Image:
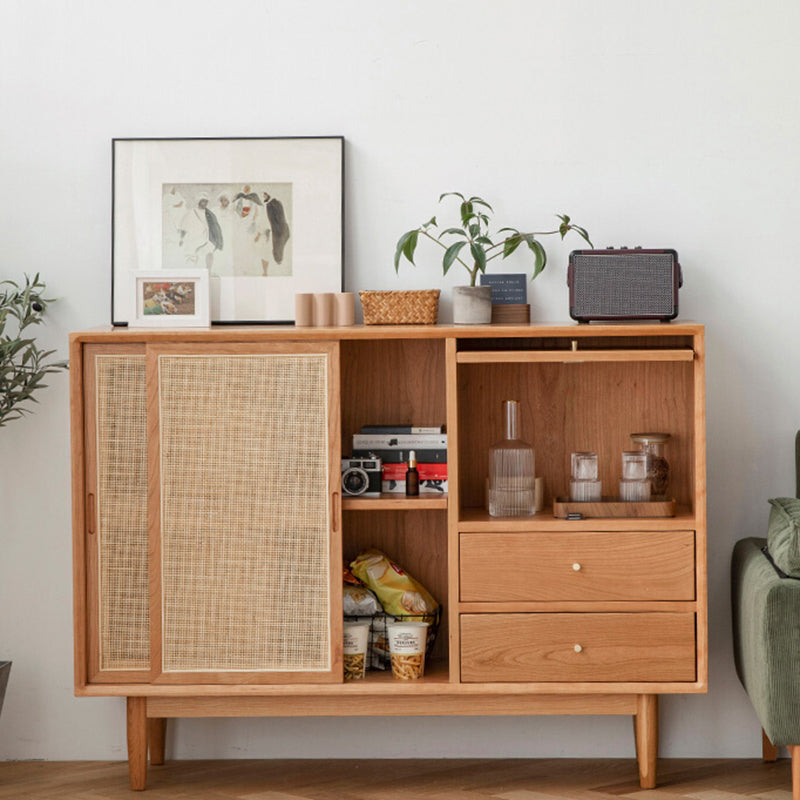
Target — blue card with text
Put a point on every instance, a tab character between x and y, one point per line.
507	289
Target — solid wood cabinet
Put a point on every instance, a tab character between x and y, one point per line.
210	530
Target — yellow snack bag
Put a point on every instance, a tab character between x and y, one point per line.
398	592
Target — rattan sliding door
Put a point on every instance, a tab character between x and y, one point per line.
245	531
117	624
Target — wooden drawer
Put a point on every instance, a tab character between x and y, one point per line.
658	646
621	566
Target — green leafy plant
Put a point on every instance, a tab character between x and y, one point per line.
474	241
23	364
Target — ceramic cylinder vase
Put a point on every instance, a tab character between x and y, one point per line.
344	309
304	310
323	309
472	305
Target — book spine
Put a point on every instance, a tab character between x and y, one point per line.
408	429
400	441
397	472
425	486
391	456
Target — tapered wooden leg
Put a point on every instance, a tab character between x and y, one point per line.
794	752
156	738
768	750
646	727
137	742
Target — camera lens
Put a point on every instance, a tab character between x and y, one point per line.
354	481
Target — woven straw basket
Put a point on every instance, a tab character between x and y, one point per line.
400	308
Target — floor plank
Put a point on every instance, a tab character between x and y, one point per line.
400	779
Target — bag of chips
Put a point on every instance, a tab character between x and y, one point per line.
397	591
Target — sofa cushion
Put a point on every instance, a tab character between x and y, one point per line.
783	534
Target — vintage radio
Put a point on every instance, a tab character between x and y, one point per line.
619	284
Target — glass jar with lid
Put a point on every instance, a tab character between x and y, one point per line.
652	444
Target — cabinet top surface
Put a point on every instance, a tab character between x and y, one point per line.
251	333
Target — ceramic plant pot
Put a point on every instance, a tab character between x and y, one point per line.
472	305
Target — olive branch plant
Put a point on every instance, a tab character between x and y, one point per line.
23	365
474	235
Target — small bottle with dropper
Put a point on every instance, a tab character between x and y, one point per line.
412	476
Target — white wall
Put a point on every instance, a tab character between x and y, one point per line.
650	122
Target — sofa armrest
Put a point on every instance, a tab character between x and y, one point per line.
766	640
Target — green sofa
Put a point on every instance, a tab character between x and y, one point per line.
765	593
766	640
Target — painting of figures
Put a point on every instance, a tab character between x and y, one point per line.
168	297
231	229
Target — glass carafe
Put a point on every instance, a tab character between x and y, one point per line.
511	471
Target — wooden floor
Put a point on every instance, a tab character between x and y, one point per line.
468	779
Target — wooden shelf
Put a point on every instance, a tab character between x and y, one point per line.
570	356
435	672
395	502
478	520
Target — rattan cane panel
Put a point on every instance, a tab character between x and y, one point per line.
245	547
122	513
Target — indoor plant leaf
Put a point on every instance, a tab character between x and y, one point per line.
451	254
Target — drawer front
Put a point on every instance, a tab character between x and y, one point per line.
658	646
621	566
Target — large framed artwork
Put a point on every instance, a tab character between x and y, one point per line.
264	217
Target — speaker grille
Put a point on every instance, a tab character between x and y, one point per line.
245	532
122	544
623	286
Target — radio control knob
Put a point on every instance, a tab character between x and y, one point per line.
576	566
577	648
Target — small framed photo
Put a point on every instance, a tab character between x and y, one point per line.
262	216
170	298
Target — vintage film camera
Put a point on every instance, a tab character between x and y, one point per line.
361	476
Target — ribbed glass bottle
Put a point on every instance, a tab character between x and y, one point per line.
511	471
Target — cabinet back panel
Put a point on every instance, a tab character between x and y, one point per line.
391	381
122	536
577	406
245	558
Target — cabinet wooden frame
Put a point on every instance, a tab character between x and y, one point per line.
88	644
458	375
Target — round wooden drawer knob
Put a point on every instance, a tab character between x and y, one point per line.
577	648
576	566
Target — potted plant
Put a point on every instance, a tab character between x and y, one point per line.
472	240
23	365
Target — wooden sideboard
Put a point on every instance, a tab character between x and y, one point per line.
210	530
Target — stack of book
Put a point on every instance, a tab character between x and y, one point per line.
392	444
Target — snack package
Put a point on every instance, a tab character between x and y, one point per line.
359	604
358	601
397	591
